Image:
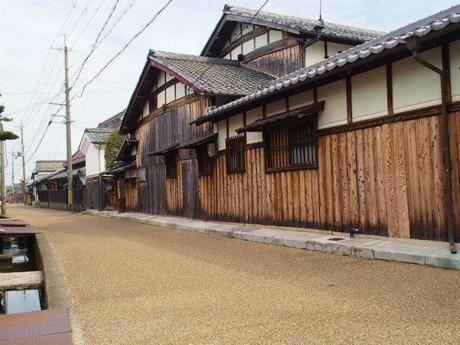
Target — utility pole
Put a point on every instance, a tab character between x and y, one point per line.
23	164
68	127
68	123
12	177
2	185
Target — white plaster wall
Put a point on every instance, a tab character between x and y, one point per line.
455	70
276	107
234	123
169	77
161	99
335	109
248	46
415	86
369	94
221	134
261	41
180	90
236	33
300	100
161	78
334	48
235	52
251	116
84	144
145	110
274	36
95	162
314	53
247	28
170	94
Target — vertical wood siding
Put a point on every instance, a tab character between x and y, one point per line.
161	195
385	180
93	194
279	63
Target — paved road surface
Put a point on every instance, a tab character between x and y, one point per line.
138	284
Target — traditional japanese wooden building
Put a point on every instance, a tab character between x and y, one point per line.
360	130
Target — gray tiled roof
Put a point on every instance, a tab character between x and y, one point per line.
303	25
49	165
113	121
389	41
213	75
98	135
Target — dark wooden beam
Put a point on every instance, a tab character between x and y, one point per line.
349	100
251	35
389	74
164	87
271	48
176	75
446	68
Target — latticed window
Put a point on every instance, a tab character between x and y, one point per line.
171	164
292	147
235	154
204	161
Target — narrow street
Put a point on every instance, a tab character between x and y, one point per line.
139	284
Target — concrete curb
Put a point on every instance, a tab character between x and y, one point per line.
428	253
56	287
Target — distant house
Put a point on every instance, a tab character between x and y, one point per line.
92	146
42	169
88	163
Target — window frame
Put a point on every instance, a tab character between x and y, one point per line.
290	127
241	163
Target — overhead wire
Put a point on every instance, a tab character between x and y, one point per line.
93	47
124	47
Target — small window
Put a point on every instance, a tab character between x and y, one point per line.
204	161
235	154
171	164
291	147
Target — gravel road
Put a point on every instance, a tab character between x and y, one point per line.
139	284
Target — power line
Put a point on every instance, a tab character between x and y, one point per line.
93	47
124	47
126	10
79	18
87	24
236	38
49	53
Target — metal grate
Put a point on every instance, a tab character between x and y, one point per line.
290	148
235	154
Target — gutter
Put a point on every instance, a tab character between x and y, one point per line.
413	44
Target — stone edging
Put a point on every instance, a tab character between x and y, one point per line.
428	253
55	286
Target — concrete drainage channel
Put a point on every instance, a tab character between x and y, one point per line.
34	301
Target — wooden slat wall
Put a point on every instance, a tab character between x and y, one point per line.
281	62
165	195
385	180
93	194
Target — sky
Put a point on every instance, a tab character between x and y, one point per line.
32	73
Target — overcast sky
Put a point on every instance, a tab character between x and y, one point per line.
30	27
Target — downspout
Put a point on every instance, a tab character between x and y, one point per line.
414	46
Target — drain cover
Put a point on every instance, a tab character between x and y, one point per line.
335	239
